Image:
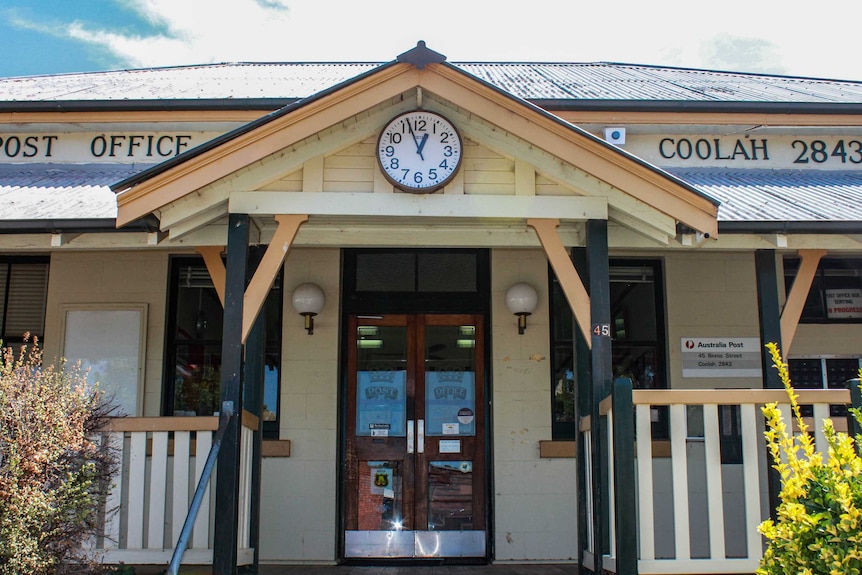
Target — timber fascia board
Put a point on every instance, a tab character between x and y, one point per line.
251	146
588	153
583	150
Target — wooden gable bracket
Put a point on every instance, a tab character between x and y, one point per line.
264	276
797	296
567	275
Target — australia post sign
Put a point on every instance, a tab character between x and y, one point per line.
721	357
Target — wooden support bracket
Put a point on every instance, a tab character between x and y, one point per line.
215	267
567	275
264	276
797	296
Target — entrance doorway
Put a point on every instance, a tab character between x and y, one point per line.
415	479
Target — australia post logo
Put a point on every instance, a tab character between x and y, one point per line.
450	392
381	391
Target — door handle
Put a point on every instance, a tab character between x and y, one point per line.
420	432
410	436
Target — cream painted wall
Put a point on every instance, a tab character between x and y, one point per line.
709	295
534	499
298	514
113	277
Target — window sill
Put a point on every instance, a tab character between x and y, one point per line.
276	448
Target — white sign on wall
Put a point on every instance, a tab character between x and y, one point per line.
721	357
844	303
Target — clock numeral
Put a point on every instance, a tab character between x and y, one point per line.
417	177
395	138
444	138
389	151
406	171
447	151
419	126
432	173
393	164
444	164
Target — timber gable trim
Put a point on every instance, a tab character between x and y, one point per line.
656	188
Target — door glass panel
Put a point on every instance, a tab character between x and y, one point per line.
380	496
450	495
450	380
381	381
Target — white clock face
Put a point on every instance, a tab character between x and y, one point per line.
419	151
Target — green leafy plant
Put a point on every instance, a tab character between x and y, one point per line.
818	525
54	470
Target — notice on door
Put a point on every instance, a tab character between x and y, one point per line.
721	357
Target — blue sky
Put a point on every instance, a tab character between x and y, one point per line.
793	37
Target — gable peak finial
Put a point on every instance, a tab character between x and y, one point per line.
421	55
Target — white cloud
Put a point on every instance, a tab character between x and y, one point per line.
761	36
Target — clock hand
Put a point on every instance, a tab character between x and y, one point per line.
422	145
415	141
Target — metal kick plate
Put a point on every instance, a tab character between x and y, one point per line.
391	544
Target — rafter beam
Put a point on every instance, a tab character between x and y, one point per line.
797	296
567	275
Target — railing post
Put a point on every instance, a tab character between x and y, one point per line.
600	326
624	478
227	482
255	367
582	410
770	332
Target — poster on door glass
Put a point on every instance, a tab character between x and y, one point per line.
450	403
381	403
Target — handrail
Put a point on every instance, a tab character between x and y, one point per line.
736	396
227	411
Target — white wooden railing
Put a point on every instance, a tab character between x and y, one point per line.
161	460
696	514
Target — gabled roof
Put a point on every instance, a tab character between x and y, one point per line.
419	68
563	84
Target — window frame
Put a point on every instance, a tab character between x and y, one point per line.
818	286
175	264
9	261
567	430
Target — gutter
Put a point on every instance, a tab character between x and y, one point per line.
784	227
560	105
209	104
78	226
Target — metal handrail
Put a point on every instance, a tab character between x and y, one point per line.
227	411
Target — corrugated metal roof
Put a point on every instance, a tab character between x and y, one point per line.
54	191
33	192
531	81
780	195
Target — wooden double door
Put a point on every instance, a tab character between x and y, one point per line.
415	475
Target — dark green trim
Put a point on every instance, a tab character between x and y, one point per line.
255	372
770	314
600	316
227	482
582	354
625	485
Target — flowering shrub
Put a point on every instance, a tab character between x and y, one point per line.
818	529
53	469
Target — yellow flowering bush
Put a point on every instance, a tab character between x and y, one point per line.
818	528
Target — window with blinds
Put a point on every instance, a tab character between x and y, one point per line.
25	294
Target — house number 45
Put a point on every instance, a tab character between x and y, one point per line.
602	330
